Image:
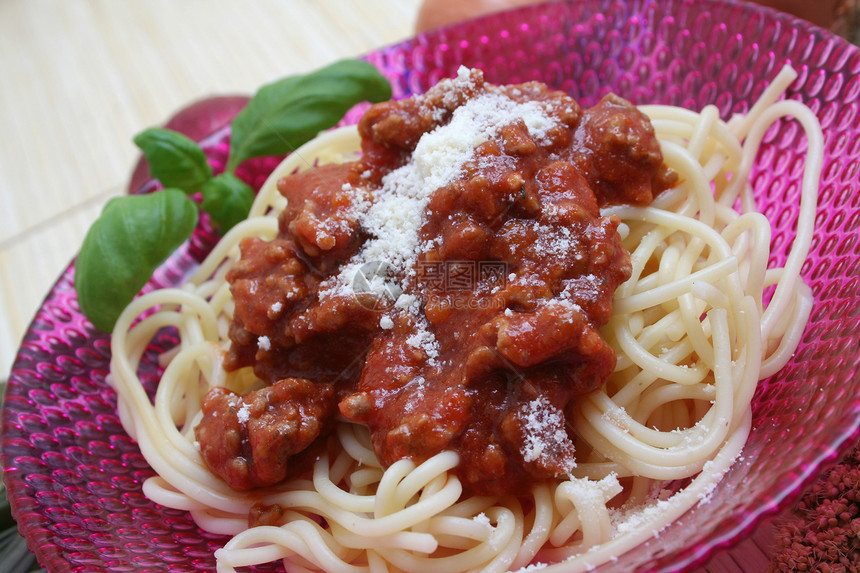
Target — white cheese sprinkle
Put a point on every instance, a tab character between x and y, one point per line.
395	218
543	422
244	414
263	343
424	340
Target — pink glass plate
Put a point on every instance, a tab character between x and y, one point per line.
74	477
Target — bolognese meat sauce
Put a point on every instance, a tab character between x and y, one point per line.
445	289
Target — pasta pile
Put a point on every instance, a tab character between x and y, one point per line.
701	320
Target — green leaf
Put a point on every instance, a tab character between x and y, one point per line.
287	113
174	159
227	199
131	238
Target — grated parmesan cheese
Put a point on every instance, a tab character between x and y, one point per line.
394	219
542	422
424	340
263	343
244	414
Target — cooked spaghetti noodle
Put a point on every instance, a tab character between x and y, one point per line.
699	322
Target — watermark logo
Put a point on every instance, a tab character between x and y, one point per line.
461	276
375	286
452	283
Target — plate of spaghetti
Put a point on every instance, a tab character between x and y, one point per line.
582	296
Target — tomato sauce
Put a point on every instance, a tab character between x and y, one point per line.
479	330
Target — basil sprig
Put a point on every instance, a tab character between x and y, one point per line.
135	234
287	113
227	199
175	160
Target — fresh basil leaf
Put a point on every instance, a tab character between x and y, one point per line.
131	238
227	199
287	113
174	159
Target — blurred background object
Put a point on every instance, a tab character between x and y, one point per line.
837	15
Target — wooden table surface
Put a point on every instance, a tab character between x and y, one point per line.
81	77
